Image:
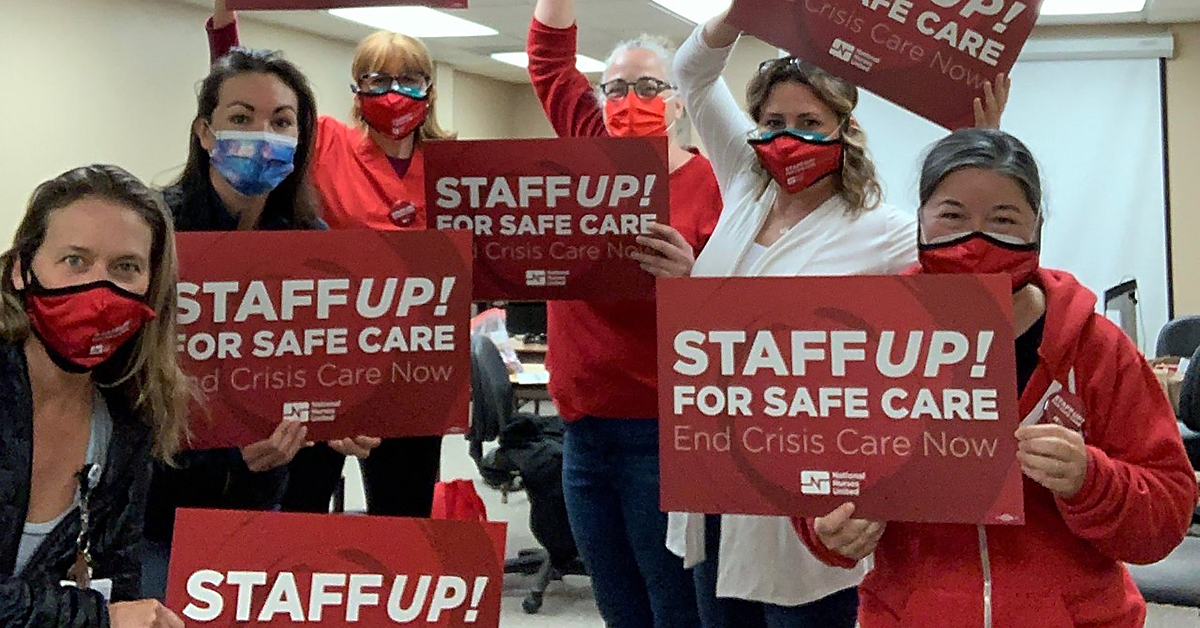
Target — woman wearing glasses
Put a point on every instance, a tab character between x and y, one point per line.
602	355
369	174
801	198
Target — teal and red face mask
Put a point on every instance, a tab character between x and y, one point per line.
797	159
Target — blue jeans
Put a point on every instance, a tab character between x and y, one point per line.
610	479
838	610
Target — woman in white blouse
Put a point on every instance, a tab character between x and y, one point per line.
801	198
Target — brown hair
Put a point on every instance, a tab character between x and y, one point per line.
382	48
145	372
859	182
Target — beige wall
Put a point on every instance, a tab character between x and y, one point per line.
1183	136
88	81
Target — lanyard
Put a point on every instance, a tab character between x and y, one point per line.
81	571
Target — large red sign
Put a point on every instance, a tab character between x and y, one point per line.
352	332
928	56
553	219
275	569
791	396
272	5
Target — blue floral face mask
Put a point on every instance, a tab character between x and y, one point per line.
253	162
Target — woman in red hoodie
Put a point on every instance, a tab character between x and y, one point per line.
1122	491
602	354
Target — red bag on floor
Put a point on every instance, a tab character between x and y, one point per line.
458	500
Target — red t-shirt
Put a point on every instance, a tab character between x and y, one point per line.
603	355
357	183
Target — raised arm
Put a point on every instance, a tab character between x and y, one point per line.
566	94
222	31
720	122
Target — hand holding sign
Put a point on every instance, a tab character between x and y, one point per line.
142	614
990	108
276	5
930	56
669	254
1053	456
277	450
853	538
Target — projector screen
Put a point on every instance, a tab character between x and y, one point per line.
1096	129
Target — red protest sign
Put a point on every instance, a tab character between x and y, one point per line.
928	56
791	396
275	5
553	219
353	332
280	569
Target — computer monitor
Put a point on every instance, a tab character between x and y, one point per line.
1120	306
526	319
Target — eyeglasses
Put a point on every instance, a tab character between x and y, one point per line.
645	87
380	83
771	65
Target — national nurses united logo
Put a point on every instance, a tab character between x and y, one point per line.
855	56
816	483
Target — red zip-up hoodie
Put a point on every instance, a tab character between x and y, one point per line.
1063	568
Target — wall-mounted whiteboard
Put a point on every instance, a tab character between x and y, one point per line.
1096	130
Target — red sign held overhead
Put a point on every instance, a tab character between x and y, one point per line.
299	5
263	569
351	332
928	56
791	396
553	219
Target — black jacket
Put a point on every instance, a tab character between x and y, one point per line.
34	598
216	478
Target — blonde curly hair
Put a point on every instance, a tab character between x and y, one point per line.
859	182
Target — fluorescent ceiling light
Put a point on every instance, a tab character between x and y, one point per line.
583	63
694	11
1091	7
414	21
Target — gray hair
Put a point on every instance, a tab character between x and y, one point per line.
985	149
665	51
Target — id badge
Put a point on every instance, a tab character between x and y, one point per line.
103	586
1065	409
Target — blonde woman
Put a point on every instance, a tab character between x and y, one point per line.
89	389
801	198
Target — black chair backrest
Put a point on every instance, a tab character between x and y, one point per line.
1189	394
1180	337
491	391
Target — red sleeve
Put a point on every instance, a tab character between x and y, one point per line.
221	40
565	93
804	528
1137	499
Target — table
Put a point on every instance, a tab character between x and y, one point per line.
531	384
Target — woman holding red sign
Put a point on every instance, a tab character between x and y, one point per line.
91	389
801	198
1107	481
247	169
369	175
602	354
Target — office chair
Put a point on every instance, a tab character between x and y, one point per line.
529	458
1179	337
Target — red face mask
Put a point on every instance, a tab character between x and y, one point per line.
634	116
796	160
983	254
83	326
394	114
